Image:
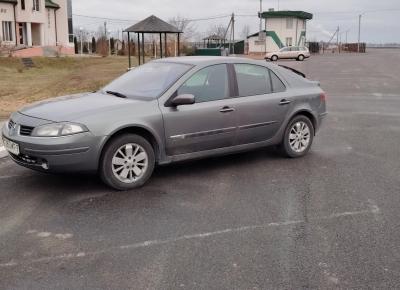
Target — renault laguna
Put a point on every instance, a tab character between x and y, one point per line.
165	111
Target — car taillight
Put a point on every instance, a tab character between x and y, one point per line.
323	97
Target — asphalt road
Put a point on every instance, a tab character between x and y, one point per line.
247	221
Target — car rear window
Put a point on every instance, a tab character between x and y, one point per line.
252	80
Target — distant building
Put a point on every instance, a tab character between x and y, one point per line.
34	27
282	28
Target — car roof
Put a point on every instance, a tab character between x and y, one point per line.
207	60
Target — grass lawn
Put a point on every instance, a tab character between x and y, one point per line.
54	77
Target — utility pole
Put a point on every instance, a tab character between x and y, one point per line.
260	16
337	39
233	31
359	32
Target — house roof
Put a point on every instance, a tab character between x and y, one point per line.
48	3
287	13
15	2
153	24
256	34
51	4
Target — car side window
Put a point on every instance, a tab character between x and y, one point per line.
208	84
285	49
277	84
252	80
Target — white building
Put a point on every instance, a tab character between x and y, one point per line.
35	26
282	28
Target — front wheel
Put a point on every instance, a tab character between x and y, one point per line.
127	162
274	58
299	136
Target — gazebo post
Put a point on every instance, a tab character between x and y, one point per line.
179	49
165	44
138	42
161	54
129	49
143	51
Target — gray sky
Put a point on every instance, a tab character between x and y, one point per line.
380	23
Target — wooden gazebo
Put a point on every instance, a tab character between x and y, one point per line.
151	25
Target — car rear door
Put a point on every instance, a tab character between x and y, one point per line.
209	123
261	103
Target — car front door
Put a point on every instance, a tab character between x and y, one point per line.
207	124
261	103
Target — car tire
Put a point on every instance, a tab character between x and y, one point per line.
274	58
127	162
300	58
298	138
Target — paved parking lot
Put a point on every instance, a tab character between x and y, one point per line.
247	221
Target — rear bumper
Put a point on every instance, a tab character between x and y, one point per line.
73	153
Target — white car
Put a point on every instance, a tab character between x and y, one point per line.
289	52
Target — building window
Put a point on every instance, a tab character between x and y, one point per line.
289	41
23	4
36	6
304	24
289	23
7	31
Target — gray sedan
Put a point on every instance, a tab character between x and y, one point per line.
166	111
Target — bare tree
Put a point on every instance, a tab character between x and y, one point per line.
217	29
185	25
245	31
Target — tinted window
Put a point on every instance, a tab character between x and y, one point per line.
252	80
208	84
294	48
148	81
277	84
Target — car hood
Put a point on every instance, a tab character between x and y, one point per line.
71	107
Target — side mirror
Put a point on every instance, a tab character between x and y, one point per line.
186	99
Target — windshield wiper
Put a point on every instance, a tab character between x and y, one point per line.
119	95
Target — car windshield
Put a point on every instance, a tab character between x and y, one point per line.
148	81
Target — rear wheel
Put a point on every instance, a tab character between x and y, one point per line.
299	136
301	57
127	162
274	58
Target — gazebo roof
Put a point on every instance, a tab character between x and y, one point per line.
214	37
153	24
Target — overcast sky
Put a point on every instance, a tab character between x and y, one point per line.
380	23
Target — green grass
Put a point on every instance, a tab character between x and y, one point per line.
53	77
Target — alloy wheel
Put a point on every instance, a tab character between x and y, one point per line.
299	137
129	163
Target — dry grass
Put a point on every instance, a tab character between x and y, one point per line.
53	77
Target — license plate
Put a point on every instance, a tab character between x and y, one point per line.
11	146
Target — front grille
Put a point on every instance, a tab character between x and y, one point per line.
11	124
25	130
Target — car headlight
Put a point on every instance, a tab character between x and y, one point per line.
58	129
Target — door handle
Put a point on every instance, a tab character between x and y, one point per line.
227	110
285	102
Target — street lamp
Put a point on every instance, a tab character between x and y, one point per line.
359	31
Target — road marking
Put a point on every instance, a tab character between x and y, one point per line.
372	210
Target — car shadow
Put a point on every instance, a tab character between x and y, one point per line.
59	185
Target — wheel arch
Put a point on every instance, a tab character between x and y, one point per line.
144	132
307	114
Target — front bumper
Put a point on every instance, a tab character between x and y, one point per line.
79	152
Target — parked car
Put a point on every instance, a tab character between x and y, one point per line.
289	52
166	111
